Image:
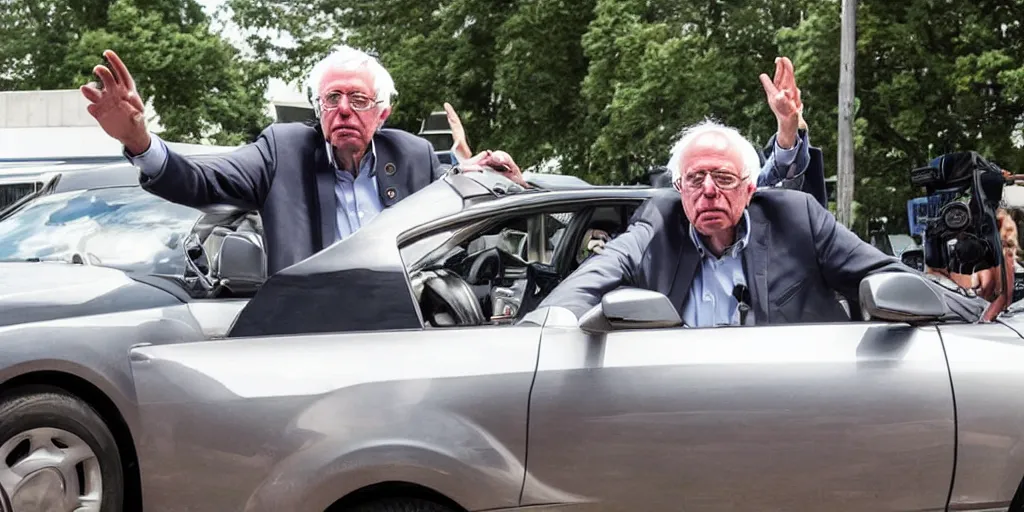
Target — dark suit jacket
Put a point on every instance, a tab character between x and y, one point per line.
286	175
812	180
797	259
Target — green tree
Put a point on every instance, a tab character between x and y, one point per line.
198	82
606	85
931	78
512	68
656	67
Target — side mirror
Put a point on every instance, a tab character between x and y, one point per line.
630	308
900	297
913	258
241	262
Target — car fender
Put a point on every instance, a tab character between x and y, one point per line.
93	348
317	476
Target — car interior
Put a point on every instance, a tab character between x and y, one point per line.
495	271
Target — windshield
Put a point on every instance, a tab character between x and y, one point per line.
121	227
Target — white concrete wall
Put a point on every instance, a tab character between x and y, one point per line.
53	124
37	109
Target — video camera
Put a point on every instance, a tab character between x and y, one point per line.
961	232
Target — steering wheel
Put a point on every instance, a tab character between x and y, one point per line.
486	268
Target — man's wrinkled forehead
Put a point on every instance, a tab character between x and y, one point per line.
711	150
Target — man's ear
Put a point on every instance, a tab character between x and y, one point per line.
383	117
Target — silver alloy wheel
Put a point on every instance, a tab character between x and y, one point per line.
50	470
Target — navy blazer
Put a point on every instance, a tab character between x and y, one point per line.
797	259
286	175
812	179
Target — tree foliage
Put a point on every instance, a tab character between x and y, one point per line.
931	78
197	81
604	86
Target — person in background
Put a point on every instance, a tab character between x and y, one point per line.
313	185
987	283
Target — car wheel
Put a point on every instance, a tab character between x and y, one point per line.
57	454
401	505
5	502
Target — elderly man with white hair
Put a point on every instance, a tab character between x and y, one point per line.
313	184
717	239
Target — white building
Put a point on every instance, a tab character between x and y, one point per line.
55	125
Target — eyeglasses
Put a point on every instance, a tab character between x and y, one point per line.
724	180
357	101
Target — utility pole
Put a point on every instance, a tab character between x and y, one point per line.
847	55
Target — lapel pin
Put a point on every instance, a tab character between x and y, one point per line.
389	169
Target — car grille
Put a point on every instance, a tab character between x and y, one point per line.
10	193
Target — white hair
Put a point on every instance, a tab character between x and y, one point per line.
751	162
346	57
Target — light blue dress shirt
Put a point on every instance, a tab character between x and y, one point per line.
711	302
357	197
789	163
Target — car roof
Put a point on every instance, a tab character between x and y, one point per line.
554	181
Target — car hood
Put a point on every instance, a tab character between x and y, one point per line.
35	292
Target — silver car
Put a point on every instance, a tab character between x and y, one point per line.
407	368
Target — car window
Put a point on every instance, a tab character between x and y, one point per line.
121	227
606	223
544	232
484	267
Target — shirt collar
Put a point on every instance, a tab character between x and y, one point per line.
742	234
368	158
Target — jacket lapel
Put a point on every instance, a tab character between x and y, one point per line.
684	267
325	197
389	180
755	263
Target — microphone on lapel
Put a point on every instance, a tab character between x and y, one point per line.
742	295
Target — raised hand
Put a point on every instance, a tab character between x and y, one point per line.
458	133
784	100
116	105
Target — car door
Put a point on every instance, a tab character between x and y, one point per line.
297	423
840	417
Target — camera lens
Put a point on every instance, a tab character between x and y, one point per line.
956	216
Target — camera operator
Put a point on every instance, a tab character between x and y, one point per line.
986	283
960	235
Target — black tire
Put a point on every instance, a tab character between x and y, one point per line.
1017	505
400	505
50	407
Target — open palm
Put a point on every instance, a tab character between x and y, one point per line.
783	94
116	105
